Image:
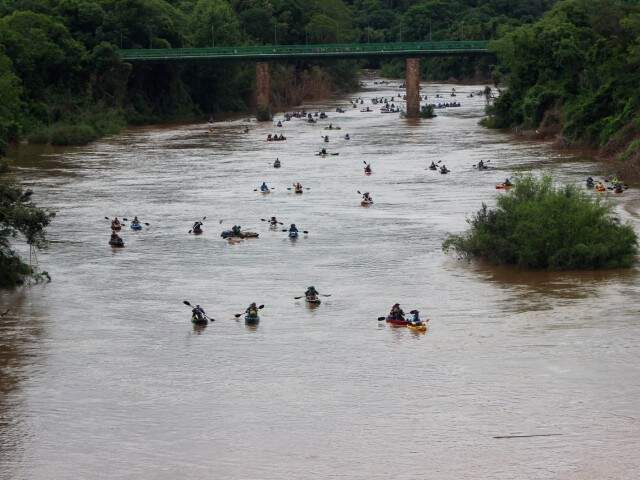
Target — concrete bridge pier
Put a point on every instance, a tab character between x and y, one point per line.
263	91
412	82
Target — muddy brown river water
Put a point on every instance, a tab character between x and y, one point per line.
103	375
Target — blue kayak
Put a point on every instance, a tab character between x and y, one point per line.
248	319
136	226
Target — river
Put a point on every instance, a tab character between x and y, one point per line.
103	375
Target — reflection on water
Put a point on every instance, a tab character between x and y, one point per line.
103	372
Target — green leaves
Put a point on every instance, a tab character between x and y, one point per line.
541	226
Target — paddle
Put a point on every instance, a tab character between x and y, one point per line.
267	190
304	188
203	219
380	319
319	294
203	314
265	220
303	231
145	223
237	315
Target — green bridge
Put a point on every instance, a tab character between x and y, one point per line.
292	52
411	52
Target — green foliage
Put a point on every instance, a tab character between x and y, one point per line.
18	215
539	226
581	59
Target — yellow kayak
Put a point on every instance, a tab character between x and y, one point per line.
417	328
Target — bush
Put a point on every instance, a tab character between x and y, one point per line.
539	226
72	134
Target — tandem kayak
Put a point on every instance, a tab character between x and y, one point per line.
230	234
136	226
249	320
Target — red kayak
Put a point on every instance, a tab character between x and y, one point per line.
397	323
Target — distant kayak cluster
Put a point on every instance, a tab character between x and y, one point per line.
116	240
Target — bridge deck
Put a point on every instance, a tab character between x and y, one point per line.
335	50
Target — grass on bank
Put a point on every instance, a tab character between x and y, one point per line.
538	225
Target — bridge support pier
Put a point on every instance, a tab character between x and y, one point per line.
263	91
412	82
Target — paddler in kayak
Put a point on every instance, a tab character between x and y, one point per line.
367	169
197	228
415	319
273	222
433	166
311	294
507	183
269	139
293	229
115	224
297	187
396	312
366	197
198	315
444	169
264	188
276	164
326	138
481	165
347	137
115	240
323	152
252	311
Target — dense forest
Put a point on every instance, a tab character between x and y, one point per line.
62	80
575	74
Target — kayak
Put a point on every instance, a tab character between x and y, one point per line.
230	234
198	321
433	168
297	191
197	232
117	244
276	165
397	323
332	128
293	234
116	228
249	320
313	300
422	327
265	191
136	226
366	203
367	172
502	186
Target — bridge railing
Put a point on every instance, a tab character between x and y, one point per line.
318	50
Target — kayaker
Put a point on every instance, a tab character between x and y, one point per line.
135	221
282	137
326	138
311	293
293	228
236	230
396	312
444	169
197	227
269	139
347	137
115	224
367	168
367	197
273	221
276	164
115	240
433	166
297	186
590	182
252	311
507	183
481	165
323	151
198	313
264	187
279	124
415	319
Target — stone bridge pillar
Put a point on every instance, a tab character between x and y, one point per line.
263	90
412	81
